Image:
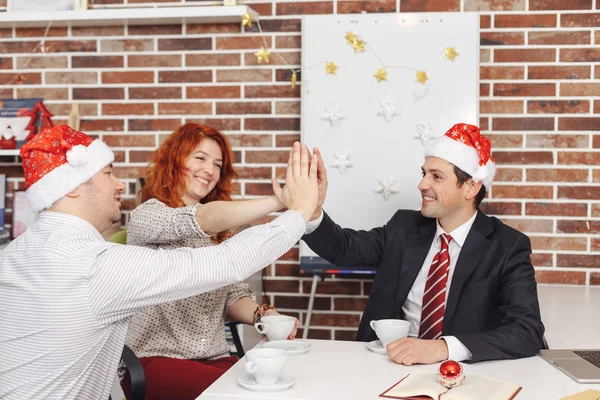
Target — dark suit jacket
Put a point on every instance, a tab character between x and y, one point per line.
492	305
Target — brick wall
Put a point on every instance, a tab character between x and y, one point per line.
540	105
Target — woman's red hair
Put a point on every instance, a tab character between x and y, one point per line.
165	178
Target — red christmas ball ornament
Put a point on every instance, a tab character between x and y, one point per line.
451	374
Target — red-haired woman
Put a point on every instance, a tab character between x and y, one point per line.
187	203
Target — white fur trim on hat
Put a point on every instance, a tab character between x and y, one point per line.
66	178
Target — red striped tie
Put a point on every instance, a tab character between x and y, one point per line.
434	297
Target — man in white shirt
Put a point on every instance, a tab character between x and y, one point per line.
66	295
463	280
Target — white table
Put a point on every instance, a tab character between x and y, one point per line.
348	370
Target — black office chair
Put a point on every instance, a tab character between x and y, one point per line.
136	373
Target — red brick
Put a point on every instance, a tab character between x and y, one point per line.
173	92
281	286
288	42
494	5
597	37
524	55
579	192
333	286
185	44
329	319
212	60
71	77
484	89
577	260
276	58
192	29
303	8
578	124
210	92
41	32
501	107
372	6
46	94
525	21
127	109
292	254
559	37
129	172
300	302
19	47
129	140
320	334
484	123
556	175
580	55
530	225
68	46
505	141
256	173
222	124
501	38
139	156
154	124
524	89
485	21
558	72
523	124
243	42
6	32
596	106
293	107
558	106
247	140
245	75
186	76
595	245
345	335
267	157
128	77
31	78
560	277
41	62
171	60
90	125
274	124
286	140
98	93
184	108
574	20
153	30
541	260
65	109
258	189
349	304
255	107
429	5
557	141
577	226
97	62
556	209
279	91
97	31
558	243
560	5
262	8
485	55
501	72
127	45
501	208
508	175
278	25
591	89
522	192
578	158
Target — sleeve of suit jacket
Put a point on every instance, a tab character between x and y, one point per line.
347	247
520	332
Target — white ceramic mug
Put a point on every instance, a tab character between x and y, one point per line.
276	327
265	364
388	330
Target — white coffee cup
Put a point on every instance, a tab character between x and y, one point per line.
276	327
265	364
388	330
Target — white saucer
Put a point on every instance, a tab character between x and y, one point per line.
248	382
293	347
376	347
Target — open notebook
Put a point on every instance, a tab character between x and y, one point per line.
474	387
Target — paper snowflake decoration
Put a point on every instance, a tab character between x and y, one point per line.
387	109
386	188
425	133
342	161
333	114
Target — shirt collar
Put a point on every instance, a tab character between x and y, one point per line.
459	234
62	219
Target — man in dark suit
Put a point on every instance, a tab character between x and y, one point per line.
462	279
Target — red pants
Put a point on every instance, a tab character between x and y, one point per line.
172	378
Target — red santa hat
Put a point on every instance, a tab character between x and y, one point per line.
465	147
58	160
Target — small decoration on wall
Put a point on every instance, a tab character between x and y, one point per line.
386	188
263	56
247	19
451	53
342	161
331	68
387	109
333	113
294	79
425	133
422	77
381	75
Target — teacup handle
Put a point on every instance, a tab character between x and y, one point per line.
261	328
372	323
250	367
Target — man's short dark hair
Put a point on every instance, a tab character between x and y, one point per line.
463	177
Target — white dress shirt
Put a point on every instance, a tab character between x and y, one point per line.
412	305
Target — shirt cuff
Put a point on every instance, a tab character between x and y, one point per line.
312	226
456	350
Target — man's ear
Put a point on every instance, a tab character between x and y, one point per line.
74	193
472	189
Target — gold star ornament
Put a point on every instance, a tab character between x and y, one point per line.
351	38
331	68
247	19
422	77
294	79
451	53
381	75
263	55
358	45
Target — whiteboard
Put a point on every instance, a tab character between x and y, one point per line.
383	149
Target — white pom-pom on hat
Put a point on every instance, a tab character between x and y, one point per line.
481	173
78	155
